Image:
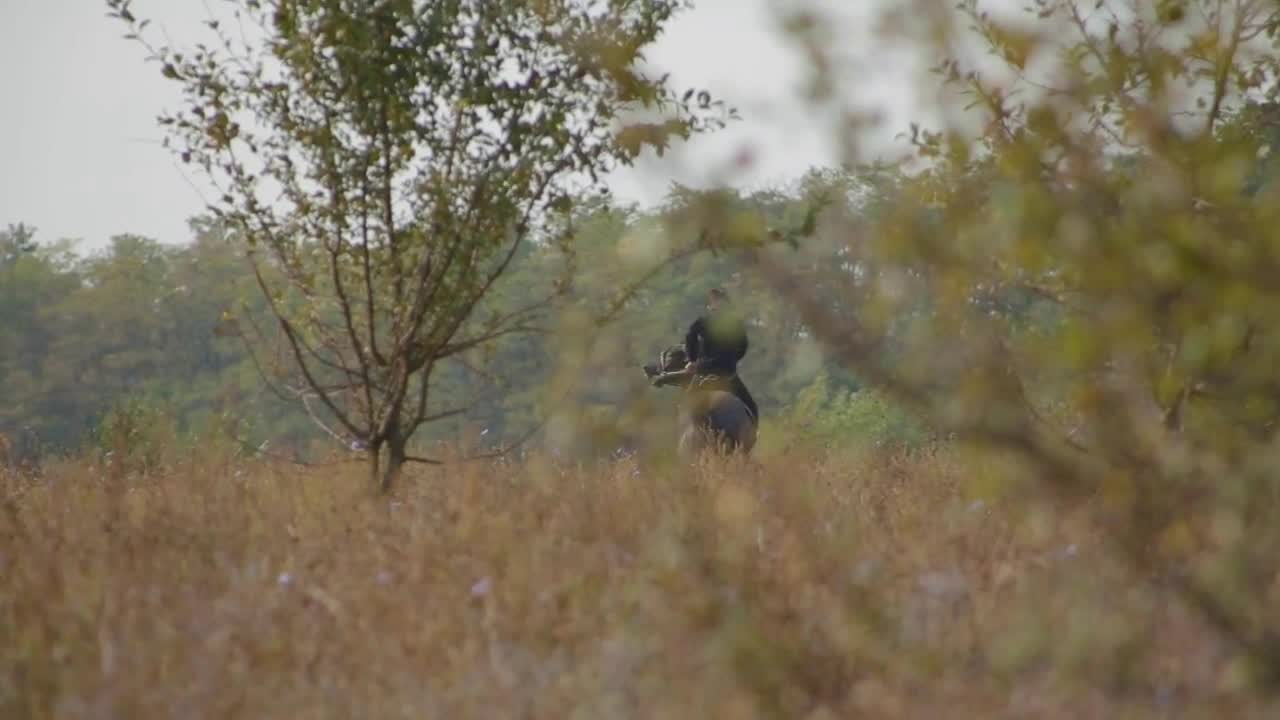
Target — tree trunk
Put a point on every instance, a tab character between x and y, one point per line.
396	446
375	456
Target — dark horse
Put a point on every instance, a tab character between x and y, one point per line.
711	417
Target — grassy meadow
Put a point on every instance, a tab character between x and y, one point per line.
801	584
1072	253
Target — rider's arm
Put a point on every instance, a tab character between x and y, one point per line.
693	341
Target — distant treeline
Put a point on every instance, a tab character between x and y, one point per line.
145	324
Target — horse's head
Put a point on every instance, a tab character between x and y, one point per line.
672	360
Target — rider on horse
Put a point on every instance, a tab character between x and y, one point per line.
715	343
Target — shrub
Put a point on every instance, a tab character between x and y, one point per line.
841	417
134	435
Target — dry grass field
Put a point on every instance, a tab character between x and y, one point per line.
804	584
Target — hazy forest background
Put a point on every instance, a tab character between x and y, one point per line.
1019	452
138	338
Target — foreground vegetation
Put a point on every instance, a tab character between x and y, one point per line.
803	584
1079	285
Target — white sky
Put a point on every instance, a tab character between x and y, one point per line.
79	147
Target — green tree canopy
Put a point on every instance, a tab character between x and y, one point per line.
384	165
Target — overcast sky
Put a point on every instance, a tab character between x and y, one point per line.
80	154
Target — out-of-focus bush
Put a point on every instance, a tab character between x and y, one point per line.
1078	272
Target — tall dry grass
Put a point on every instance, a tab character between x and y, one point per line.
803	585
